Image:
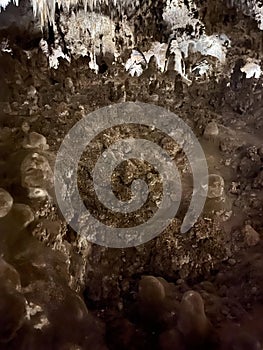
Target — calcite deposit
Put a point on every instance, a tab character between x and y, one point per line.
60	61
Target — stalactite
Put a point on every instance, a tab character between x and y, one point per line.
4	3
45	9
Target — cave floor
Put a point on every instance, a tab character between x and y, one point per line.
221	257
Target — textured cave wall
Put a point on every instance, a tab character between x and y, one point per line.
196	41
20	25
92	29
191	59
108	31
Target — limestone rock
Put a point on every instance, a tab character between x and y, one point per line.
122	334
36	192
69	85
36	171
23	214
8	275
6	202
25	127
216	186
171	340
251	236
250	167
242	341
32	94
192	320
157	301
5	135
258	182
12	312
211	130
151	291
35	140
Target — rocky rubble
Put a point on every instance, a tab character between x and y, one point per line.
69	265
37	304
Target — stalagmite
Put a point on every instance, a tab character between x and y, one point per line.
192	320
6	202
